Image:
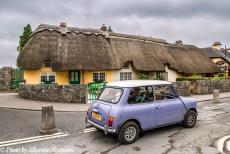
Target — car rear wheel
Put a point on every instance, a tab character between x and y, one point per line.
190	119
128	133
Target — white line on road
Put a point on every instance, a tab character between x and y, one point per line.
88	130
32	139
221	141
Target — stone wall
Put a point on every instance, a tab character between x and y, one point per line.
200	87
183	87
78	93
5	78
54	93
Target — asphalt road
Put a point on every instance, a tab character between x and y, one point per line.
213	124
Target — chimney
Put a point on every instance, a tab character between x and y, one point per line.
63	28
179	42
63	25
216	45
103	28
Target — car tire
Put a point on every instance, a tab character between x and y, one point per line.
190	119
128	132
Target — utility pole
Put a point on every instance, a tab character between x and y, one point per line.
225	63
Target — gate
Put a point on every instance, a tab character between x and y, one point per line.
94	90
16	77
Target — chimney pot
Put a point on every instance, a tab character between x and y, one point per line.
63	25
104	28
179	42
217	45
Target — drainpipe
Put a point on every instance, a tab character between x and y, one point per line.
83	76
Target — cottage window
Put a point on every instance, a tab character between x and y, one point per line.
47	63
126	76
43	77
99	76
126	66
48	77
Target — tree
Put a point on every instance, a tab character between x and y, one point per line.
24	37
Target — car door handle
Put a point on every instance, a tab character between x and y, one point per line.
158	107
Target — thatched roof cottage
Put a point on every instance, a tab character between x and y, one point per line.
73	55
220	56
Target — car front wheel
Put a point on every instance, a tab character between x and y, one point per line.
190	119
128	133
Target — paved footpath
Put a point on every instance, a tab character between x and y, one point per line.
13	101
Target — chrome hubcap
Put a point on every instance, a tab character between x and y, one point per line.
130	133
191	119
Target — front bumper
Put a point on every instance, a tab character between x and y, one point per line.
106	129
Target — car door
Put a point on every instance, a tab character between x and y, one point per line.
141	106
169	108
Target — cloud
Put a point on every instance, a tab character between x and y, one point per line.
193	21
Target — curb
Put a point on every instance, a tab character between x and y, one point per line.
23	109
212	99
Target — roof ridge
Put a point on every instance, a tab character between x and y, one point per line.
42	27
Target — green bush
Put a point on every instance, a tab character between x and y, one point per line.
216	78
143	76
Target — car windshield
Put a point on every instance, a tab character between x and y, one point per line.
111	95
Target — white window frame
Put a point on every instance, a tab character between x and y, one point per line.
47	75
99	77
47	62
126	76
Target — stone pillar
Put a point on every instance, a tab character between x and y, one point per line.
48	121
216	98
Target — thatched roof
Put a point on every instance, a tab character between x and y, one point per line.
214	53
92	49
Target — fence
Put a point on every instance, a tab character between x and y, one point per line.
94	90
16	77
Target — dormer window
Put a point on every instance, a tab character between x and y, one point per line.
47	63
126	66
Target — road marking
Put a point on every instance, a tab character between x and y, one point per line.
32	139
29	138
87	130
220	144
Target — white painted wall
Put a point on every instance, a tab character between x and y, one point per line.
172	74
116	73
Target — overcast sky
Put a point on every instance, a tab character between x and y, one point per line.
198	22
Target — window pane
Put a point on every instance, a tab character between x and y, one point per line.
126	76
95	76
102	77
47	63
72	76
121	76
164	92
51	78
76	76
111	95
141	95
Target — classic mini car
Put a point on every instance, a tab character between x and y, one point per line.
127	108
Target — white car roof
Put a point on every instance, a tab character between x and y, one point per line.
137	83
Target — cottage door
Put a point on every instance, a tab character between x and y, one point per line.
74	77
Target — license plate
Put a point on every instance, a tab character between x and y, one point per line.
96	116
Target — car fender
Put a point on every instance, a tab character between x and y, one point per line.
129	119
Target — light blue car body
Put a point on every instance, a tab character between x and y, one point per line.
147	115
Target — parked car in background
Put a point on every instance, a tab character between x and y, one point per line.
127	108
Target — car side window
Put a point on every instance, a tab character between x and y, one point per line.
141	95
164	92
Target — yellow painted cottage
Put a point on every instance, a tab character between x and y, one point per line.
70	55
